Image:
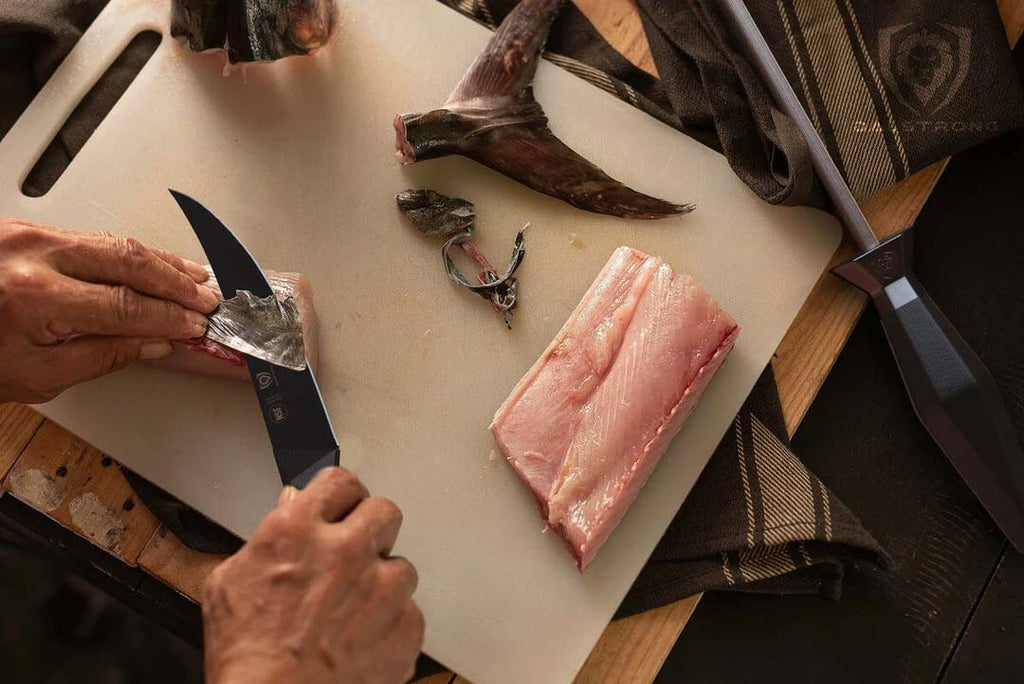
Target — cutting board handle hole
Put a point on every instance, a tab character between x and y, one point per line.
89	114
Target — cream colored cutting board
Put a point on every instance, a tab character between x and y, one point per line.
297	157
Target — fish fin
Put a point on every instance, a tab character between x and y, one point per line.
507	65
493	118
535	157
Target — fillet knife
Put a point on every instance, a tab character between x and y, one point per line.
951	391
300	430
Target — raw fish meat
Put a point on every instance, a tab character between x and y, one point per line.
588	423
207	357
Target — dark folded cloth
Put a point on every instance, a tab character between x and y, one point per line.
757	520
891	86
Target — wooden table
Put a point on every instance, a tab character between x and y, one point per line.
51	472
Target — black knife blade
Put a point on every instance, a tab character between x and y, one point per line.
300	430
952	392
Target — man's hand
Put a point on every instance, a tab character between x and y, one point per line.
74	306
313	597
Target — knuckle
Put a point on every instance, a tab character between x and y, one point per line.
55	331
23	279
22	234
353	543
397	577
389	510
418	624
215	582
125	306
283	522
130	250
339	478
343	552
214	579
186	287
408	572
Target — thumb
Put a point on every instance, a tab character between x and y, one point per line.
88	357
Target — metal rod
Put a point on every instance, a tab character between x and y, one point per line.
786	98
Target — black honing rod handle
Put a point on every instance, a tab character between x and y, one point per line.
949	387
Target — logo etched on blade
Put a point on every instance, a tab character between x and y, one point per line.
278	413
264	380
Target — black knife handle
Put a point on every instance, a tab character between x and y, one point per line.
951	390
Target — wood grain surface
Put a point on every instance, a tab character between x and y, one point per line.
166	558
618	22
47	467
18	425
62	476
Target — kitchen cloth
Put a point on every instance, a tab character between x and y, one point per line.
757	520
891	86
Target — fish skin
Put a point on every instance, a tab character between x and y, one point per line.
434	214
587	425
202	24
204	356
437	215
493	118
253	30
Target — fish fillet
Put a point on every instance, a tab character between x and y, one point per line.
206	357
588	423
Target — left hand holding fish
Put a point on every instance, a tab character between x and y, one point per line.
74	306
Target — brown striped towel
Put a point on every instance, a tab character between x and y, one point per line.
891	86
757	520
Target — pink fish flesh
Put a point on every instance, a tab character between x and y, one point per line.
206	357
587	424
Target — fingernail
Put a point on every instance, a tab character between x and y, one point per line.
209	298
287	494
198	273
197	323
154	349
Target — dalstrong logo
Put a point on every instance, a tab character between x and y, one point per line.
924	65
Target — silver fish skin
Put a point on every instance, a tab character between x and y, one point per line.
434	214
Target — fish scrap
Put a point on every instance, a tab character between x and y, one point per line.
253	30
493	118
437	215
283	330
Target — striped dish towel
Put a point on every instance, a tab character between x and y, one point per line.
757	520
